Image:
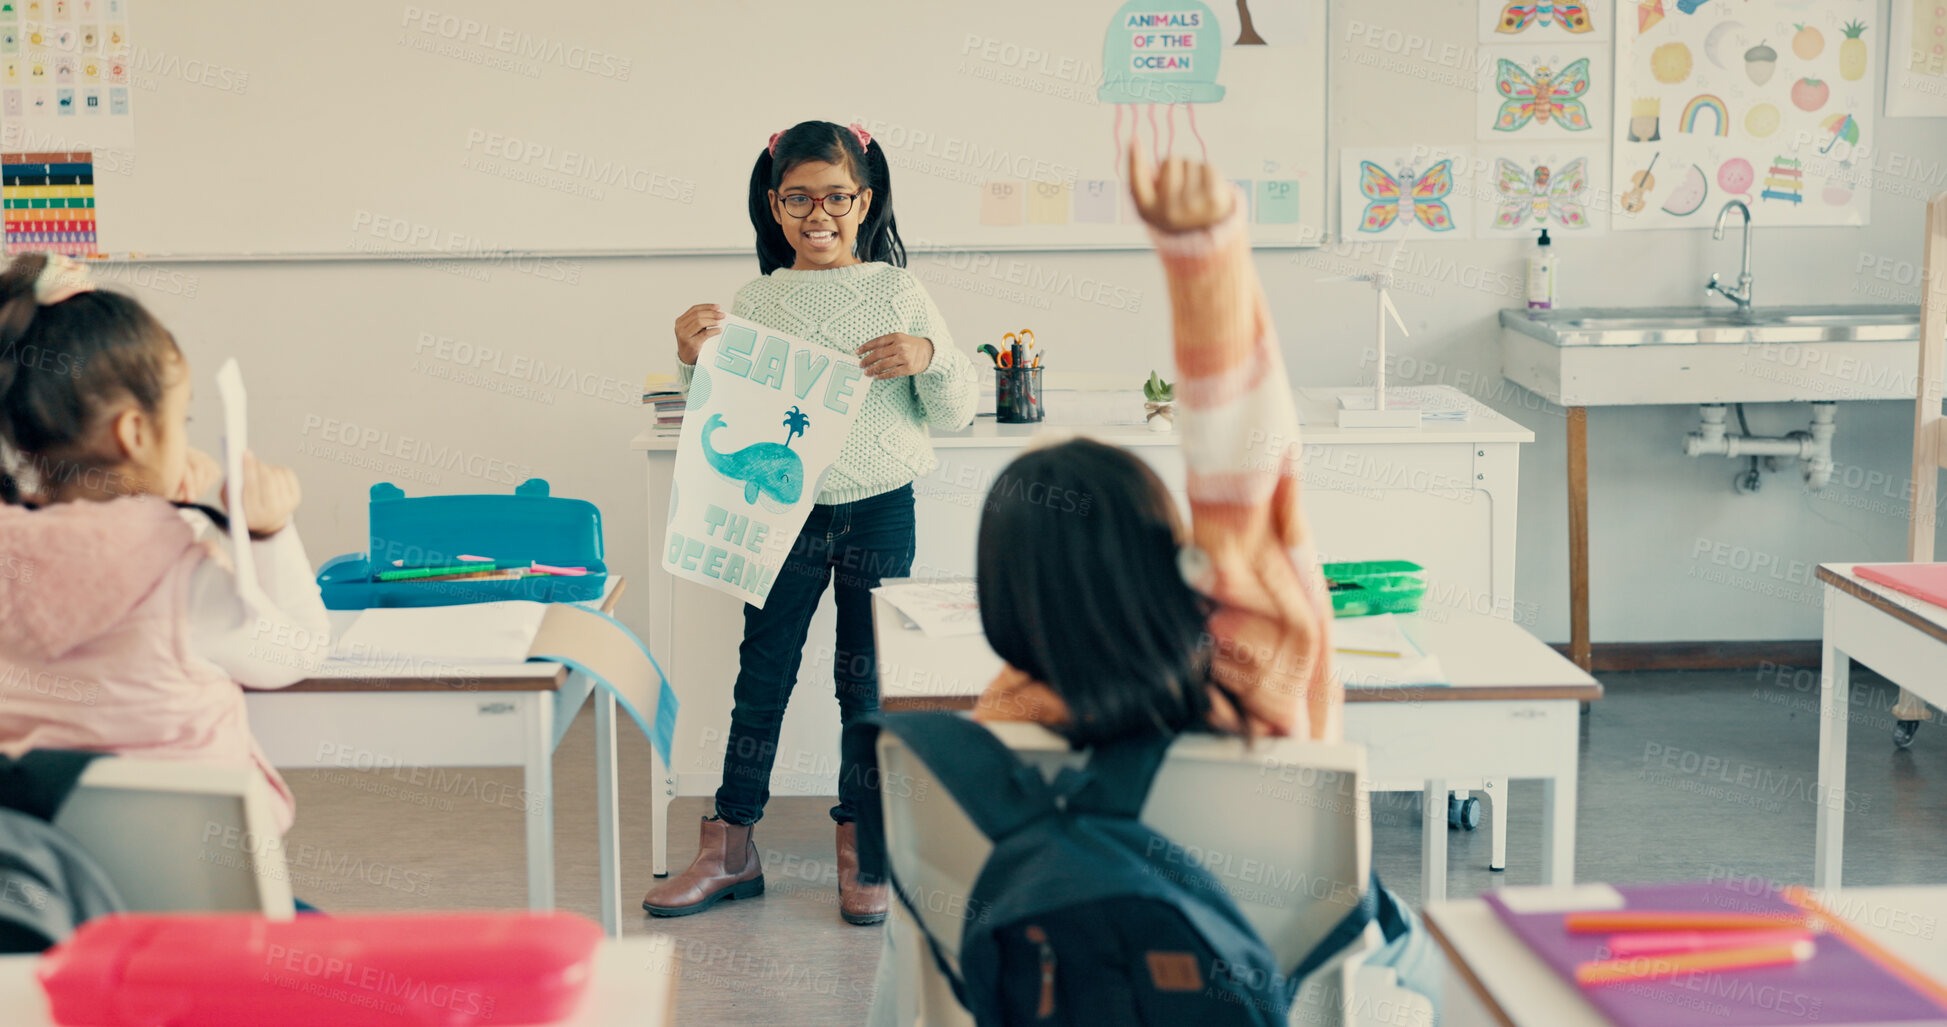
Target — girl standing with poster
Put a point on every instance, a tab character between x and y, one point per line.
834	274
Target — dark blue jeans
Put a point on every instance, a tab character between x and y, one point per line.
855	544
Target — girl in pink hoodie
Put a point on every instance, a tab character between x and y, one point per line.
120	630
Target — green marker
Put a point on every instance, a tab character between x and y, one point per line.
428	572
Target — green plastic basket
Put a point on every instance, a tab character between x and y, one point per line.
1375	586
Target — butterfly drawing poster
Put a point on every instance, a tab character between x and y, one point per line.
1543	92
1520	190
1547	22
1405	191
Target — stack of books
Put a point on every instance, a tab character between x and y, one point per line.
661	391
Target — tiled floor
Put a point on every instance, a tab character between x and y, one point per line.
1684	775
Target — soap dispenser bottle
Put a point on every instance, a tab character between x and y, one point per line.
1541	275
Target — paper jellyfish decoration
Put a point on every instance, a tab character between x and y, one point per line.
1736	176
1161	53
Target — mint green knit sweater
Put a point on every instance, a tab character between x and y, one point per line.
844	308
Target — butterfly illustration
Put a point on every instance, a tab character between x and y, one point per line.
1422	197
1517	16
1542	97
1542	195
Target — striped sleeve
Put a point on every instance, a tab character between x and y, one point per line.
1241	446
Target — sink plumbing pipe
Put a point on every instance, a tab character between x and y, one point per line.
1814	447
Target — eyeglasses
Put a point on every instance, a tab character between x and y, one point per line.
798	205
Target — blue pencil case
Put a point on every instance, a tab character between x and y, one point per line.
514	531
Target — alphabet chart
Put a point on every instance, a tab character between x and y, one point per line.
65	75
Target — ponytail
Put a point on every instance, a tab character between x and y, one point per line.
17	306
773	249
61	365
809	141
879	235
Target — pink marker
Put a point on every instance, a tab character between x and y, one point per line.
1629	946
572	572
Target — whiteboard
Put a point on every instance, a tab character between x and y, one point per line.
485	128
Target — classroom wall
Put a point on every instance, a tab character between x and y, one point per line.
425	374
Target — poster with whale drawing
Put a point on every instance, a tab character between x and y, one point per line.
767	415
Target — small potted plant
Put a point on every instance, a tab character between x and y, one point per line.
1159	397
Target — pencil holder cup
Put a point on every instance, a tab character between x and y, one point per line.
1017	395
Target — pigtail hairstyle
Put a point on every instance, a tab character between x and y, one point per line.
61	364
822	141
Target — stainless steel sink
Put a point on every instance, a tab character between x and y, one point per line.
1659	326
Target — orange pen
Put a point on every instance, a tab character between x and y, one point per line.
1645	968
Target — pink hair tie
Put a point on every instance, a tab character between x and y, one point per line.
865	138
61	279
775	136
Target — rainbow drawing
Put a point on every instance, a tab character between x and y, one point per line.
1697	105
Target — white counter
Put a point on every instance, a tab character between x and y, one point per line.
1315	406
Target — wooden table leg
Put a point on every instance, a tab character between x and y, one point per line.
1578	538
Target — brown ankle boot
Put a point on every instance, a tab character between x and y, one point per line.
726	867
857	903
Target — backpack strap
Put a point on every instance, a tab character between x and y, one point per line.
1118	776
996	791
1376	904
39	782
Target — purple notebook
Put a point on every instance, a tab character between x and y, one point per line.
1838	987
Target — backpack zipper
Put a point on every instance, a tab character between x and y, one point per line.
1046	1008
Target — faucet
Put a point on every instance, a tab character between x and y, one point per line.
1742	294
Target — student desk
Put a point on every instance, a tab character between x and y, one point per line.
1901	637
406	713
1442	496
1513	710
1497	980
633	985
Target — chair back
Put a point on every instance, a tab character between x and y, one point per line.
1283	825
182	837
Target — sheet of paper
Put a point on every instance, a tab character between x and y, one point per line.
766	416
471	634
1368	635
1580	898
1381	634
942	609
1381	672
591	642
1432	405
229	385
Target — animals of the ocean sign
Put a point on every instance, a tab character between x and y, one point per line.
766	417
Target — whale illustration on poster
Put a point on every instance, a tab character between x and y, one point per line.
763	467
766	416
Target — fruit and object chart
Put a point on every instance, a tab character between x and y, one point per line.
1765	101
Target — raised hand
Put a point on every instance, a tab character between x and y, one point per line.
270	496
1181	196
